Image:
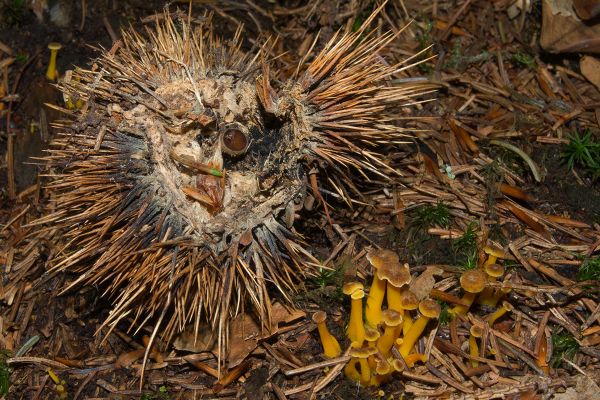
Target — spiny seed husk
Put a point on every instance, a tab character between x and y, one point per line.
177	230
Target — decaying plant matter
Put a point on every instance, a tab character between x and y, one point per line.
175	185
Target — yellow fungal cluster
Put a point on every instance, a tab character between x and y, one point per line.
475	284
59	385
397	311
52	74
384	341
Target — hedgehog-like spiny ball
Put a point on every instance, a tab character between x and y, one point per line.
171	185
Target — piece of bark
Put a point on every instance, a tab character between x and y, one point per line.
564	32
587	9
590	68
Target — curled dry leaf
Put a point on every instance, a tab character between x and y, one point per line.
126	359
188	341
590	68
245	332
564	32
422	284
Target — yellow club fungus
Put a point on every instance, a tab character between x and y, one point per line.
493	254
472	282
360	356
379	260
398	365
395	275
413	358
493	272
51	72
475	333
356	326
392	321
382	370
428	309
408	303
331	347
506	306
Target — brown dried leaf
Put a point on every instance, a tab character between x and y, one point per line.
564	32
590	68
281	314
126	359
245	333
188	341
422	284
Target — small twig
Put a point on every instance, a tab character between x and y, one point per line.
84	384
111	32
454	18
233	375
83	15
279	393
447	379
100	138
36	360
330	376
322	364
16	218
532	165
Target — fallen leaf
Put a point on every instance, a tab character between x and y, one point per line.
422	284
245	332
126	359
590	68
203	342
281	314
585	388
564	32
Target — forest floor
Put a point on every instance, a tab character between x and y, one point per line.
506	157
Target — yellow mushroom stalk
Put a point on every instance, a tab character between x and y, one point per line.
375	301
472	282
506	306
356	326
475	333
393	321
51	73
362	354
396	276
331	347
413	358
393	297
493	272
389	275
350	370
408	303
428	309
